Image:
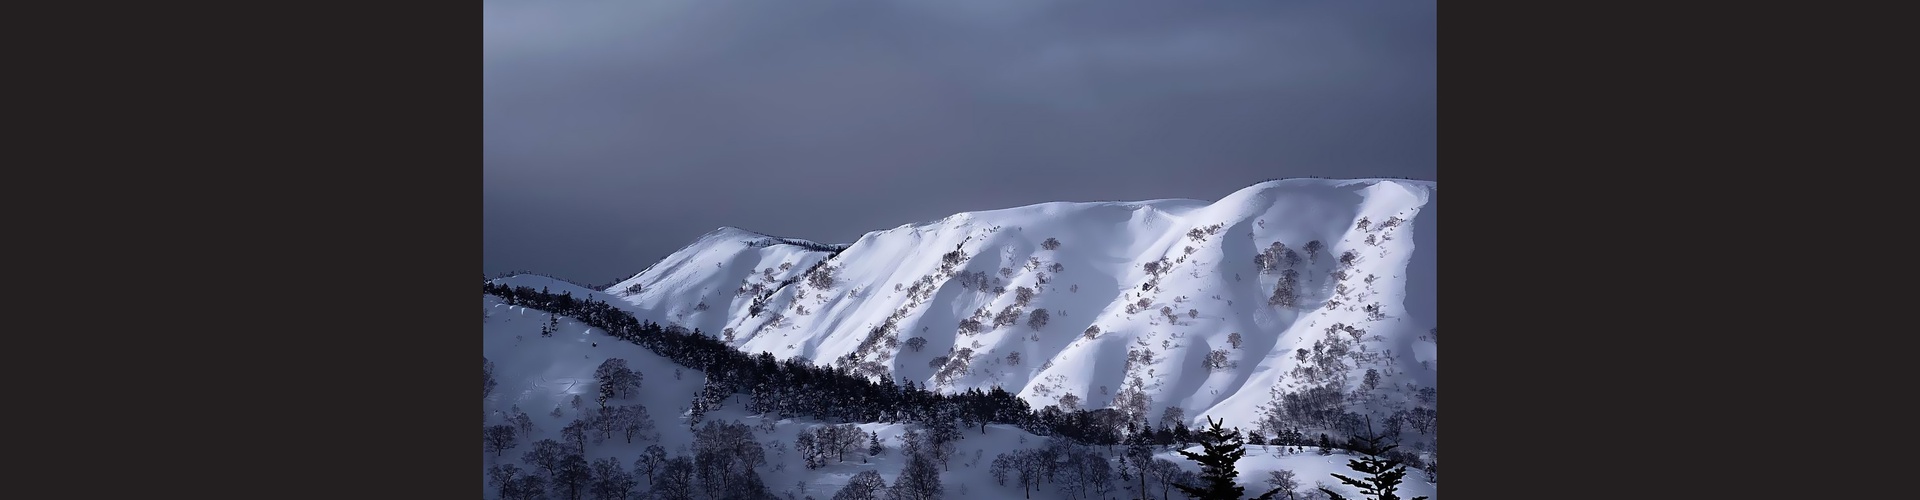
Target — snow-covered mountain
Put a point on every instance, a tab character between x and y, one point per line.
1140	305
549	383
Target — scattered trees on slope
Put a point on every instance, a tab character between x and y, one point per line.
793	387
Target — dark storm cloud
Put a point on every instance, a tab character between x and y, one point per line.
618	130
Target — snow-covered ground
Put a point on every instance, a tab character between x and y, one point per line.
912	274
538	374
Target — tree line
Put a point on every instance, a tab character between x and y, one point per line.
794	388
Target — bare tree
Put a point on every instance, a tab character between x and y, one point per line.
1284	479
1050	244
650	461
575	435
522	422
634	421
918	481
573	475
1234	339
498	438
867	485
489	383
609	481
545	456
1173	415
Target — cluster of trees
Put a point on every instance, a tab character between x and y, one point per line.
1072	467
1199	234
1275	257
1286	292
979	281
722	465
831	442
817	247
823	278
555	467
509	274
616	380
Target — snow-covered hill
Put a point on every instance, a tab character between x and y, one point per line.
1116	303
540	376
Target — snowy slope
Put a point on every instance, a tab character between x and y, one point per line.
540	374
914	281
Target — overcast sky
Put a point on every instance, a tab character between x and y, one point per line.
619	130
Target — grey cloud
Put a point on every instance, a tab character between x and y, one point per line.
631	127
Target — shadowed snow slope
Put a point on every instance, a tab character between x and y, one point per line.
1358	253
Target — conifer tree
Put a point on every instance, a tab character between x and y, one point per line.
1220	449
1383	474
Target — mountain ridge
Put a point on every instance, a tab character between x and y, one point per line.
957	283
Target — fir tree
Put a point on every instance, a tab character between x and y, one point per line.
1383	474
873	446
1220	449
